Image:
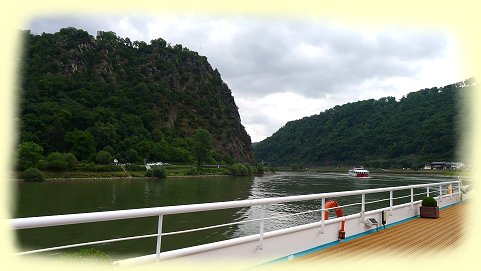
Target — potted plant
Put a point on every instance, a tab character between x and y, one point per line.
429	208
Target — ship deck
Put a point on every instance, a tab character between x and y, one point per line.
416	237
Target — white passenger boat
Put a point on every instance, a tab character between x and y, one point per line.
359	172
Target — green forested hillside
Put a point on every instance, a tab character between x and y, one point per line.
81	94
421	127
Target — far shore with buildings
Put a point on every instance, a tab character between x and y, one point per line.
445	166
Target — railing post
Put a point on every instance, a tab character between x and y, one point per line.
412	198
159	237
323	203
427	193
261	234
390	201
459	189
440	192
363	207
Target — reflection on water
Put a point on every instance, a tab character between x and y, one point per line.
64	197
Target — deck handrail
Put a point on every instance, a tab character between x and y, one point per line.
59	220
68	219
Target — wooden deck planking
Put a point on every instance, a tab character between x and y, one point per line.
419	236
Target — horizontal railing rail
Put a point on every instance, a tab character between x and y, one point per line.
68	219
58	220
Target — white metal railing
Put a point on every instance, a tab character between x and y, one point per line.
68	219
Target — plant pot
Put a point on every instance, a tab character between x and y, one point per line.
429	212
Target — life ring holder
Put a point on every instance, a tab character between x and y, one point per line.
332	204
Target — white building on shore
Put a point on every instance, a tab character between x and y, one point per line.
444	165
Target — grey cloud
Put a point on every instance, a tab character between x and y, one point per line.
264	61
261	56
52	24
92	24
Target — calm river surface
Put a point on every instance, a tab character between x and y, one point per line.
66	197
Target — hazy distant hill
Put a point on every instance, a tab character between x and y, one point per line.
421	127
125	96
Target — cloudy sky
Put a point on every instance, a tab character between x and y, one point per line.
284	69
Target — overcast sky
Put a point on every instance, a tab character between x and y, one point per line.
285	69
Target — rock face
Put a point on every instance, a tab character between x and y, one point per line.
136	87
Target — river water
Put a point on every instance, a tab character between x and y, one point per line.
65	197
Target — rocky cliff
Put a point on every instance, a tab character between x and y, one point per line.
127	95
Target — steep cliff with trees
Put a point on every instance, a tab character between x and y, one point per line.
107	97
423	126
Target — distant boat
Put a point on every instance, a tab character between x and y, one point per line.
359	172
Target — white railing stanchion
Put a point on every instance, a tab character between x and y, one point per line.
159	237
459	189
363	208
440	192
390	201
323	220
427	193
412	198
261	230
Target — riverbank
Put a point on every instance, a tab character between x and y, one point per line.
410	172
189	171
136	172
97	176
129	178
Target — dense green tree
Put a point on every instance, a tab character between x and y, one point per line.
103	158
179	154
239	169
32	175
160	151
56	161
28	154
131	156
82	144
260	169
159	172
157	135
144	149
71	160
110	150
104	133
201	145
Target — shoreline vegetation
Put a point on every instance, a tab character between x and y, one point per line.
185	171
132	171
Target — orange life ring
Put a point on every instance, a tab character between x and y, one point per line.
332	204
450	189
